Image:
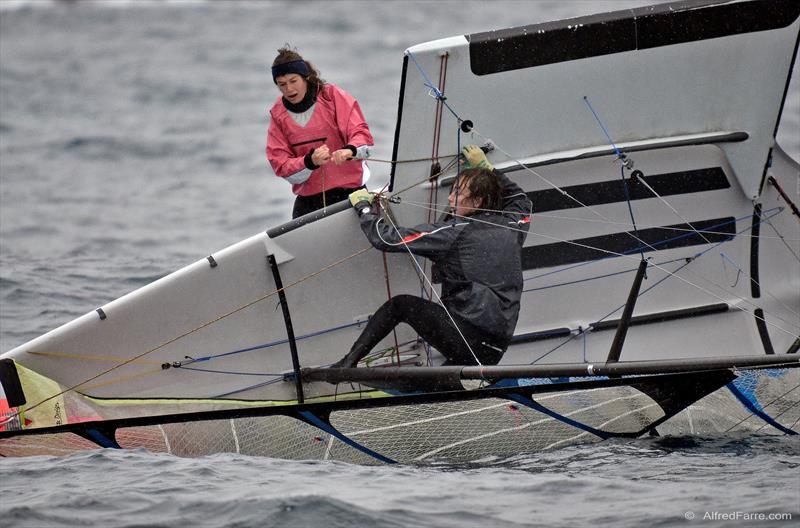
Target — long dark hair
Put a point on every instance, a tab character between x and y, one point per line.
287	54
483	184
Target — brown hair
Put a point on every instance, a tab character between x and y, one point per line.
287	54
483	184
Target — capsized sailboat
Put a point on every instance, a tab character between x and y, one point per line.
661	272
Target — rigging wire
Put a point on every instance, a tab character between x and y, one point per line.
781	237
556	187
620	155
764	406
565	193
628	224
723	289
430	285
627	163
456	160
598	277
642	181
587	246
196	329
613	253
191	360
784	411
434	91
650	226
411	160
433	195
585	331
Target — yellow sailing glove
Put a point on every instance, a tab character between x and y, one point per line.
361	200
475	158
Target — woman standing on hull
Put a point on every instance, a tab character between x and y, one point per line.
318	138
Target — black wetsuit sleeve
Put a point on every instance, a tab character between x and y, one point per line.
427	240
517	207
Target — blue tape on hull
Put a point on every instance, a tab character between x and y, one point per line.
561	418
754	407
328	428
102	439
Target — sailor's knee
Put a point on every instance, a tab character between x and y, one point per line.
404	301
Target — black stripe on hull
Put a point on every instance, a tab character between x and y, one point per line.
400	102
662	238
620	31
763	332
612	191
755	230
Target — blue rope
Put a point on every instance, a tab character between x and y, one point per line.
428	82
231	372
277	377
608	136
735	265
276	343
439	95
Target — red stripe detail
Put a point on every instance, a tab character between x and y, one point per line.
411	238
525	220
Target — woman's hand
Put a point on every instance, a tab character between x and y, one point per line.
342	155
322	155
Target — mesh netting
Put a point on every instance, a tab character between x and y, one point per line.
462	430
51	444
458	430
775	392
475	429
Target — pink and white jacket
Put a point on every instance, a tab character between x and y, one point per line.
336	121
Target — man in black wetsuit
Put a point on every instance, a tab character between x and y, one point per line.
476	254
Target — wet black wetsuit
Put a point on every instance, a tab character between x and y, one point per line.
477	259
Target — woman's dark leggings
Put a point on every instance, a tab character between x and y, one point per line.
433	324
308	204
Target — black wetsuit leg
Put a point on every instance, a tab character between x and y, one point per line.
434	325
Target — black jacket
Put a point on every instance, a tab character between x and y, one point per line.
477	259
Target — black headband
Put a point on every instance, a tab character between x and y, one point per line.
297	66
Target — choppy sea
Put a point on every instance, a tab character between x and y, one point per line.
132	143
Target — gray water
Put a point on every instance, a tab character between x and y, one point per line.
132	144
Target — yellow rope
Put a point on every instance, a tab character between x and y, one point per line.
89	357
123	378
